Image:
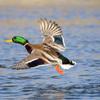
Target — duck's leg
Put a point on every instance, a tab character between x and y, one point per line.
59	70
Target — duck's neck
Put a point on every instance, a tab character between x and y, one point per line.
28	47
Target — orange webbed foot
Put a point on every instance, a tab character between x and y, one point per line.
59	70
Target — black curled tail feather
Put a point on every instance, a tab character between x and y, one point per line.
65	60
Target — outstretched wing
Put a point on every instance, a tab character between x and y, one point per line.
29	61
52	33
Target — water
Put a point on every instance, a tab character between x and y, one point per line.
81	28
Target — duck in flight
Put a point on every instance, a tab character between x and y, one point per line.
47	52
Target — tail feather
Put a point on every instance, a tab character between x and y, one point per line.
68	66
66	63
64	59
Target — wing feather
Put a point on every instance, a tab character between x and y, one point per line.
49	27
29	61
52	34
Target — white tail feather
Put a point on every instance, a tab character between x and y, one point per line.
68	66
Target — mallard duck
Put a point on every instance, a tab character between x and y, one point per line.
47	52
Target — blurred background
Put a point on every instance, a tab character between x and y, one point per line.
20	15
80	23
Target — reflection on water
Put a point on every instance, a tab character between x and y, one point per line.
81	29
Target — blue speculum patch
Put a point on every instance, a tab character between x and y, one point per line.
58	39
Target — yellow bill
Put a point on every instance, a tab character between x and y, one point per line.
8	41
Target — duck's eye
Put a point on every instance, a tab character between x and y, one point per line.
14	37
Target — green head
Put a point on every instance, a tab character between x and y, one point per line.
19	40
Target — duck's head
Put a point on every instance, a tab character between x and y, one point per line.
18	39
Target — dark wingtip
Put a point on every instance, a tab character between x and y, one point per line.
3	66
